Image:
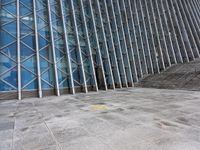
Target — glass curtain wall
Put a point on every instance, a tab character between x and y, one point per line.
55	47
8	46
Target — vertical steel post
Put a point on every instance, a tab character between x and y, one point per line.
18	53
120	56
191	25
171	26
188	29
151	39
98	47
183	31
78	45
66	47
157	38
104	40
167	33
162	35
144	64
192	12
145	39
130	47
112	43
140	74
196	11
37	50
88	43
179	31
53	49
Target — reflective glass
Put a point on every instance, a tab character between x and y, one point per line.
8	51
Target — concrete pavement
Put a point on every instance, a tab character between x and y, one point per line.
127	119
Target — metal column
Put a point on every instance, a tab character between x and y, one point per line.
121	6
139	37
18	54
188	29
145	37
37	50
179	31
98	47
134	39
110	41
167	33
88	43
78	46
172	31
106	57
183	31
117	43
67	48
150	37
156	36
53	49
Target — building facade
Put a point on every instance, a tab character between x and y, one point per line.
56	47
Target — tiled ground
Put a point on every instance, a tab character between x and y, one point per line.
128	119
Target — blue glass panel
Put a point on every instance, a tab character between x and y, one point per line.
30	64
11	77
32	85
44	64
11	7
25	51
11	28
11	51
45	85
27	76
42	42
30	41
5	87
47	76
5	38
5	63
46	53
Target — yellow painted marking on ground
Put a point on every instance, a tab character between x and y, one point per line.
99	107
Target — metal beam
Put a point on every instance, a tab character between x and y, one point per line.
195	10
172	31
98	47
78	46
117	62
37	50
123	42
167	33
128	39
139	37
145	38
67	47
156	36
183	31
150	37
117	42
195	20
188	29
53	49
134	40
179	31
191	23
110	73
88	43
18	53
161	34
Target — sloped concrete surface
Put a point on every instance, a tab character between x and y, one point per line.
128	119
182	76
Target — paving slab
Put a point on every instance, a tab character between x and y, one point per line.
123	119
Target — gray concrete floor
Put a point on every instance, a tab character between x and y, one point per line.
128	119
